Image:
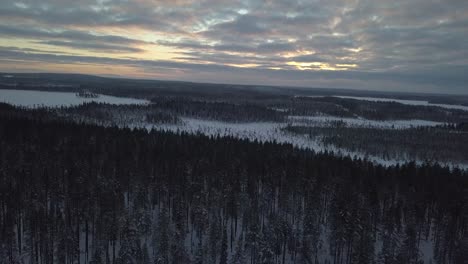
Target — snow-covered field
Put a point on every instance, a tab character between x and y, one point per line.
262	132
407	102
268	131
325	121
27	98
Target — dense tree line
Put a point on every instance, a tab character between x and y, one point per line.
121	115
168	111
81	193
138	88
215	101
165	109
312	106
222	111
213	92
444	143
344	107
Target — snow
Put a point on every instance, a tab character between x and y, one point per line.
262	132
326	121
28	98
406	102
281	110
426	248
269	131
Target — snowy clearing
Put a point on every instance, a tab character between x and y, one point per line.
33	99
264	132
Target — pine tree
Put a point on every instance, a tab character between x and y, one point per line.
224	248
145	259
409	251
199	256
130	251
97	257
239	256
162	237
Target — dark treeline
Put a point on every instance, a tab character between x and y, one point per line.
121	115
345	107
151	88
80	193
312	106
460	127
138	88
446	143
168	111
223	111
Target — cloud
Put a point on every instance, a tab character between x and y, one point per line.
397	43
74	39
308	58
451	76
91	46
241	25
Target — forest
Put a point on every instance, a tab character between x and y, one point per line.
74	192
345	107
243	103
431	144
168	111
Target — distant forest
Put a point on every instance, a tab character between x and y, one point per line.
82	193
262	99
447	143
344	107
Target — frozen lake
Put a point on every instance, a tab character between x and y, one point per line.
28	98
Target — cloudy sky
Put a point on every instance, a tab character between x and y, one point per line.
404	45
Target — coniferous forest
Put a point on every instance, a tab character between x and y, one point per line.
82	193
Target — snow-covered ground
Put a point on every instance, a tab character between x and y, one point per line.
262	132
28	98
407	102
325	121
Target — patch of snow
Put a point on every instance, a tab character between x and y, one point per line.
269	131
33	99
262	132
426	248
281	110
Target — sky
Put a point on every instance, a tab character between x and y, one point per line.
396	45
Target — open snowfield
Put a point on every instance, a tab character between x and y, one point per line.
264	132
28	98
